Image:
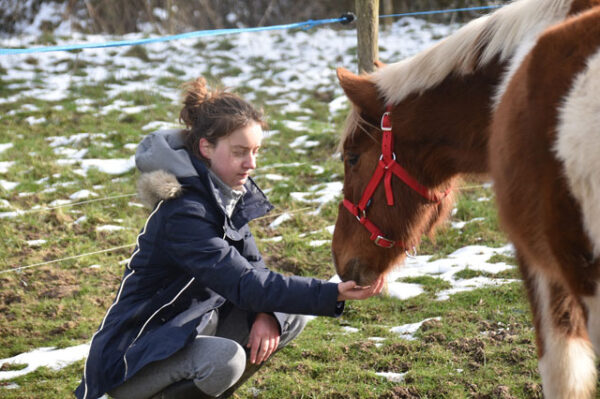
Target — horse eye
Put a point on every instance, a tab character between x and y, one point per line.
351	158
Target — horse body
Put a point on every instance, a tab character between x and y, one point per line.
544	145
510	66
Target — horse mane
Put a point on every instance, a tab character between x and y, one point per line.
473	46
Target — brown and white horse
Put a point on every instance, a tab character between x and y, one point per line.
545	162
418	124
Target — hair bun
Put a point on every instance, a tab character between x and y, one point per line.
195	93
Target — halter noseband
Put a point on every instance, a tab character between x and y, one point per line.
387	166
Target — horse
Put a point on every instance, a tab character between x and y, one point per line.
543	153
419	124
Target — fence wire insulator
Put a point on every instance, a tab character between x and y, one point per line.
347	18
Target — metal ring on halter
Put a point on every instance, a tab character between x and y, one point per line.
363	216
412	255
393	156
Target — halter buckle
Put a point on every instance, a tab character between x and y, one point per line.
384	242
386	124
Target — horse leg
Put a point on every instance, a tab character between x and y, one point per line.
593	315
566	355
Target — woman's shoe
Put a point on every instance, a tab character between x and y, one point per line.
185	389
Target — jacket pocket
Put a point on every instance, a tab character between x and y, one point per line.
235	238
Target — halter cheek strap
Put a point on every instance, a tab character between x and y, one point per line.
386	167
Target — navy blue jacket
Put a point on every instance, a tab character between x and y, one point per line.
190	250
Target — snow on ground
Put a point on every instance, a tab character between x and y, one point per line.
407	331
52	358
474	257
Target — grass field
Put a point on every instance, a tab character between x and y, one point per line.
70	123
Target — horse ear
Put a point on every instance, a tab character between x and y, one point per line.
361	91
378	64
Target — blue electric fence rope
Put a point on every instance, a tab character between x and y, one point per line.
345	19
217	32
409	14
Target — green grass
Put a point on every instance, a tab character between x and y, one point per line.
482	345
429	284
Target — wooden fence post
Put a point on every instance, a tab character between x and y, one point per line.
387	8
367	28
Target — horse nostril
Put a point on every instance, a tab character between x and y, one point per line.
352	271
357	271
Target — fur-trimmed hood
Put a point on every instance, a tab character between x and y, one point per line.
157	186
162	158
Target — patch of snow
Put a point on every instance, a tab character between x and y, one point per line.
109	227
5	146
404	290
407	331
35	243
279	220
393	377
5	166
8	185
319	194
82	194
157	125
50	357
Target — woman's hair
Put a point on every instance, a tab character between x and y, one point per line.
213	114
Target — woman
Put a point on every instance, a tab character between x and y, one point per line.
196	291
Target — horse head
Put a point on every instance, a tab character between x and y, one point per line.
389	201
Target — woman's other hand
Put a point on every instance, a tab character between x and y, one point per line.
264	338
349	289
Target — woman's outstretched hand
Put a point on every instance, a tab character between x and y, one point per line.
349	289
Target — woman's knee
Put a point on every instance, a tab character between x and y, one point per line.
233	361
227	364
293	326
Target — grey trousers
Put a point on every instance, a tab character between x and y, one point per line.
215	360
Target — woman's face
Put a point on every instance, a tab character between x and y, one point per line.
233	158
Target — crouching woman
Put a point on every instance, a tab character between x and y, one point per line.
197	311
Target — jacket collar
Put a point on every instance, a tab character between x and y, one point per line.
252	205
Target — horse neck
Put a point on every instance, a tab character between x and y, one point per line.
450	123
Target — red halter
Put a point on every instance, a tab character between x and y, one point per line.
387	166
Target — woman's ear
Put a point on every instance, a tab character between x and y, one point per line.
206	148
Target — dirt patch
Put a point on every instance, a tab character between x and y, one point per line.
397	348
502	336
61	291
431	325
53	283
282	264
8	298
533	390
473	347
69	325
434	338
401	393
502	392
362	346
499	392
